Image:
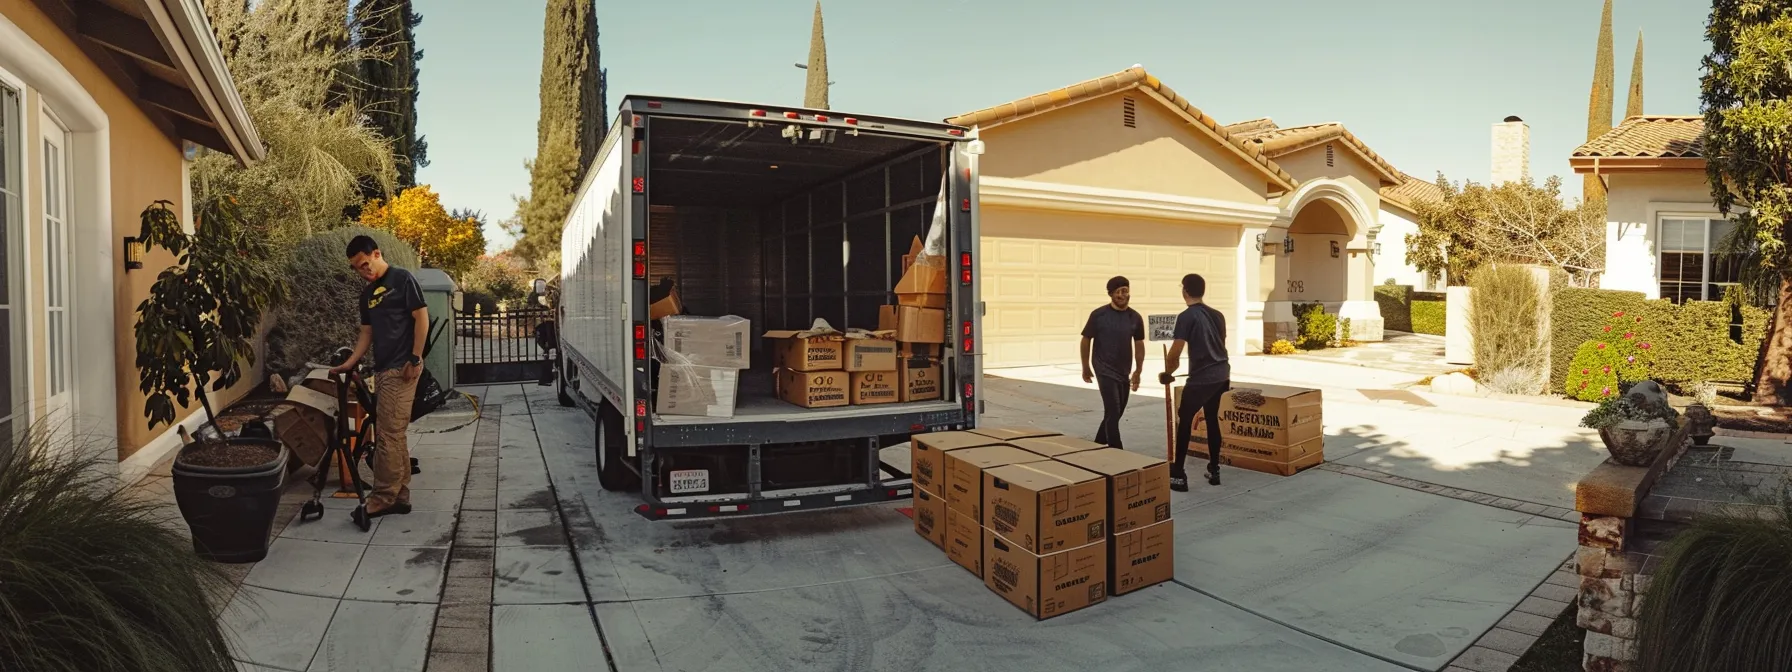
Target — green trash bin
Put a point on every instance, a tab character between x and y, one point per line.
438	294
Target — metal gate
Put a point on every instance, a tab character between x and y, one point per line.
499	347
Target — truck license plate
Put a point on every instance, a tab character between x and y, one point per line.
690	480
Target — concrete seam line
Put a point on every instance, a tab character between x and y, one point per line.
1496	624
1301	630
578	566
757	591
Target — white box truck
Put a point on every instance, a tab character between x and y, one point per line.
781	216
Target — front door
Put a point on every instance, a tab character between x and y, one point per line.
59	374
12	329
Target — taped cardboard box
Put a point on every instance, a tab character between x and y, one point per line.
814	389
304	424
923	283
1263	457
1268	413
665	307
1046	585
720	342
919	380
886	318
870	351
697	390
1142	557
930	517
964	475
875	387
1047	506
1138	485
927	456
1012	433
1055	446
809	350
920	325
964	542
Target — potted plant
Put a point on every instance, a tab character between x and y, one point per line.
1633	429
199	320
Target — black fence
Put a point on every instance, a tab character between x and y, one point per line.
500	347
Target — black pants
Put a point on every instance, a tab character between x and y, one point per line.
1205	399
1114	392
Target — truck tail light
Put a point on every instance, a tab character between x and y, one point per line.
640	341
640	259
955	132
967	338
964	268
964	205
640	185
792	115
654	105
821	117
756	113
969	389
852	121
640	408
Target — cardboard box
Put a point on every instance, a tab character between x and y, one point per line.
665	307
964	475
304	425
1055	446
923	282
814	389
869	354
920	325
1012	433
720	342
1264	457
928	351
927	456
874	387
930	517
918	383
1046	585
1284	416
697	390
1138	486
319	381
1047	506
1142	557
964	542
886	318
806	350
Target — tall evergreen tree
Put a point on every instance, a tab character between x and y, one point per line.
387	93
569	131
1634	106
1599	108
815	91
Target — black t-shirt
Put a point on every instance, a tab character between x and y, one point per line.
1113	333
1203	331
386	306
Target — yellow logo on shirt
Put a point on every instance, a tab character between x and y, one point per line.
379	295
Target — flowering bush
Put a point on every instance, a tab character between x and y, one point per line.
1281	347
1616	356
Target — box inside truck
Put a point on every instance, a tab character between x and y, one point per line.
784	226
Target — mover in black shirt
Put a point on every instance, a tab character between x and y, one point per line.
1202	331
1114	343
393	319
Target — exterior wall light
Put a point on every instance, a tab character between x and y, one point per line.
1288	245
133	253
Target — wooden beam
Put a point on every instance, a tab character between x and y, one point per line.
121	32
180	101
202	134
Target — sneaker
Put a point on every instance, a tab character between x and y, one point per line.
1179	483
1213	477
393	510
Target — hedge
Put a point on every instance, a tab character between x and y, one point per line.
1689	343
1396	306
1428	317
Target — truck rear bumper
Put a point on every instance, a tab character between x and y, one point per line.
681	508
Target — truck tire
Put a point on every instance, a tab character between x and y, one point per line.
612	473
565	397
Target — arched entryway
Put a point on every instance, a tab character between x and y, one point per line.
1317	266
1319	252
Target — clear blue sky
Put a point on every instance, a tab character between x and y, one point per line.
1420	81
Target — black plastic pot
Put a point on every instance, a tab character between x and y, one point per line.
231	510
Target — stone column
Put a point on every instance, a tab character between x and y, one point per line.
1360	306
1256	275
1612	573
1278	310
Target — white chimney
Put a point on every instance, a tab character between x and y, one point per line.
1511	151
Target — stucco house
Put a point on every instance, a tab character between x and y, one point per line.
1663	233
1399	219
102	105
1121	175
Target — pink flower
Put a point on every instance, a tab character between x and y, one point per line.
1608	328
1644	346
1607	369
1602	346
1585	371
1618	314
1631	359
1583	384
1606	392
1628	335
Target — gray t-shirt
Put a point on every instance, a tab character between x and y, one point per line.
386	306
1113	333
1203	330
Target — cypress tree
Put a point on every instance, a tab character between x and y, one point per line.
1599	108
387	93
1634	107
570	129
815	91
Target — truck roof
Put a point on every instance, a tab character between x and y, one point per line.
724	109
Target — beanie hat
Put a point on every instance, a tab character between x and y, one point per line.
1117	282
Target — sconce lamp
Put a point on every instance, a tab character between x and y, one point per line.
1378	249
1259	242
1334	249
133	253
1288	245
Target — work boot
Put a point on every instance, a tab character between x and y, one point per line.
1179	482
1213	474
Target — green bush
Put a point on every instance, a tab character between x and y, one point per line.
1317	328
1505	319
1396	306
1689	343
1281	347
501	277
322	314
1428	317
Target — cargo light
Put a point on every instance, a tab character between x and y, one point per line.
640	341
956	132
967	338
792	115
640	408
654	105
968	390
640	259
755	113
821	117
640	185
852	121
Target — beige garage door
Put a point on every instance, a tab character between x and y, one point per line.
1044	272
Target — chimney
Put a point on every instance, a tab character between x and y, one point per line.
1511	151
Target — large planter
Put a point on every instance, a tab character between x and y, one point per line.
230	510
1635	443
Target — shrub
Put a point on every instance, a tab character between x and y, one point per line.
1616	409
322	314
1396	306
1344	333
1317	328
500	276
1428	317
1281	347
1721	598
1505	318
1602	365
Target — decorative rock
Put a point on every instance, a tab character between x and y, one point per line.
1606	624
1649	396
1640	584
1607	646
1590	561
1603	532
1455	383
1605	596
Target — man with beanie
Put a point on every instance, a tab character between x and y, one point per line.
1114	343
1201	330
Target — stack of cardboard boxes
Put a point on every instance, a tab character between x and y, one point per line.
918	321
1267	428
823	368
702	358
1053	524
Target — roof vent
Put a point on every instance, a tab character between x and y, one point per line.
1330	158
1129	112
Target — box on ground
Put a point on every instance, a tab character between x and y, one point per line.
1142	557
964	475
1264	457
927	456
1055	446
916	325
697	390
814	389
874	387
305	424
1138	486
1268	413
870	354
806	350
1046	506
919	381
1012	433
720	342
930	517
1046	585
964	542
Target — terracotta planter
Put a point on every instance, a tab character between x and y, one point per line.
1635	443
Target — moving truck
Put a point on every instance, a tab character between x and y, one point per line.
780	216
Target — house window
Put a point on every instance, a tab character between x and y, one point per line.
12	349
1692	267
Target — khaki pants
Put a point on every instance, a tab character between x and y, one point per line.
392	462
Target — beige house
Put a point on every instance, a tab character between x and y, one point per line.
1123	176
102	104
1663	233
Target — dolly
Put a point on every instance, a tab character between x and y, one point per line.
357	445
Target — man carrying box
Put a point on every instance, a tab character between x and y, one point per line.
1202	330
1114	341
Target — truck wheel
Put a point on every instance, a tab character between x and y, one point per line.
612	474
565	397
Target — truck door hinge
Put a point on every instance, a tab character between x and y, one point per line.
982	309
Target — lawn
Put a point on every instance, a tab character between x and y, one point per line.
1428	317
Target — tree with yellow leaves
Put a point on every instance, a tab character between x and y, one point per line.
416	216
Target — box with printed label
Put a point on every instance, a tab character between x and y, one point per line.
1273	414
918	382
708	341
964	475
1012	433
874	387
870	354
964	542
1138	485
697	390
1046	585
806	350
930	517
1045	506
920	325
814	389
927	456
1055	446
1142	557
1264	457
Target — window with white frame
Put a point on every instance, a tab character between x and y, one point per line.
12	350
1692	266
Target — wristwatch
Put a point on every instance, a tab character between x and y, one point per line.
412	359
